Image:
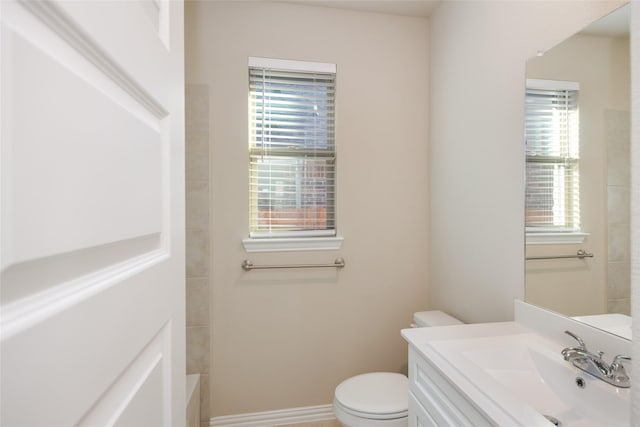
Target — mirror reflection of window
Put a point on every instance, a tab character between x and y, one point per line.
552	138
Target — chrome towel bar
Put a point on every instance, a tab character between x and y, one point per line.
248	265
581	254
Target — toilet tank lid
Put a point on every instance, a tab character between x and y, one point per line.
434	318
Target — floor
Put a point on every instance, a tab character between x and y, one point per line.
330	423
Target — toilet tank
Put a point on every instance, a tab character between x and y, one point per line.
423	319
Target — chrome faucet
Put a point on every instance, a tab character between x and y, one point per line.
594	365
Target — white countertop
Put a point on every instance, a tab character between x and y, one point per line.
489	398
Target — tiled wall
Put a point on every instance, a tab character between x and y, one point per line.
618	191
197	232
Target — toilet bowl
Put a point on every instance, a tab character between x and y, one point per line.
374	399
380	399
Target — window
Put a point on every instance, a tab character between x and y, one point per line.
292	154
552	152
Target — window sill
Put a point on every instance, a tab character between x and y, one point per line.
293	244
575	238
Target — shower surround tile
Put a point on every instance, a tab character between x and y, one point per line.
197	155
619	277
197	104
198	301
618	128
197	132
619	205
622	306
618	137
619	243
197	238
204	397
198	354
197	253
197	199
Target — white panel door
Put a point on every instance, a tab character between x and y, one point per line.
92	213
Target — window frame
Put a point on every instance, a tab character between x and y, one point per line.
298	240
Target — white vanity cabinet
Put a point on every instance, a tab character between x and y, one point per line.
511	374
434	401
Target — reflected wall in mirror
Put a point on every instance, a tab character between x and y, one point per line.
599	61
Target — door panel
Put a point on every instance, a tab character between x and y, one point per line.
92	213
137	394
99	136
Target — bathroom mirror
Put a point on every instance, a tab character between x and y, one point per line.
589	72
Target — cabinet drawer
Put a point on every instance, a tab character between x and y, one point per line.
418	415
444	404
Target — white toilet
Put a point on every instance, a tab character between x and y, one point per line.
381	398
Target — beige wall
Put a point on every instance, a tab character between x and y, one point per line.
283	339
478	52
601	66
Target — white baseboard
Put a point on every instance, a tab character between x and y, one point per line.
276	418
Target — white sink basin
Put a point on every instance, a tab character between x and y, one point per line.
527	368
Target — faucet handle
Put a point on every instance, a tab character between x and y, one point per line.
577	338
620	358
617	371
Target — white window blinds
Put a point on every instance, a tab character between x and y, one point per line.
552	151
292	155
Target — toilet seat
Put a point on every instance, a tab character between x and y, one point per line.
375	396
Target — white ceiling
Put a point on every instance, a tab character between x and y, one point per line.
420	8
615	24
